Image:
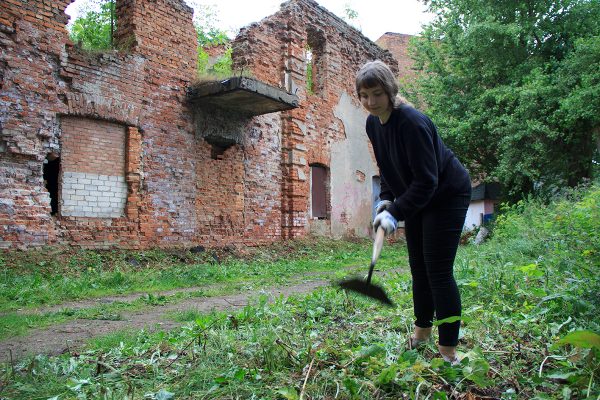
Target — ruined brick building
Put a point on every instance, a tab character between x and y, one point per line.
398	45
123	148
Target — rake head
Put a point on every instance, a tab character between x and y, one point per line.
366	289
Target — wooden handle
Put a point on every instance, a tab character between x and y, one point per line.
378	244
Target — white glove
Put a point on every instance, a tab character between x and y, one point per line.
382	205
387	222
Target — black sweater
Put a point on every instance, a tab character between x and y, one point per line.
415	166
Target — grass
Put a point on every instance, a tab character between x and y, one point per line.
529	331
37	279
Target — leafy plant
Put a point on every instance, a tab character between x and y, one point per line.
94	30
514	89
205	22
528	329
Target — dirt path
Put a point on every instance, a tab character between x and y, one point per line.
60	338
68	336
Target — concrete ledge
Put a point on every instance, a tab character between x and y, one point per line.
245	95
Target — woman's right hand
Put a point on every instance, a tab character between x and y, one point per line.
387	222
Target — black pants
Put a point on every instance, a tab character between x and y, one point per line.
432	238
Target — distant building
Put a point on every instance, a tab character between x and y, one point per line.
484	202
398	44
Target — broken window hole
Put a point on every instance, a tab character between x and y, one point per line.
216	152
51	172
310	83
315	47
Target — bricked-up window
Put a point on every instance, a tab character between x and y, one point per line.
93	168
318	191
51	170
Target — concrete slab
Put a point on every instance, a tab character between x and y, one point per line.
242	94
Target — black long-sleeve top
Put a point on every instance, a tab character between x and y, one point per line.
415	166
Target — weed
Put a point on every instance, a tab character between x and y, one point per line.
529	330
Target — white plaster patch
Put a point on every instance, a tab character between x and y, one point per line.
93	195
301	174
301	125
351	198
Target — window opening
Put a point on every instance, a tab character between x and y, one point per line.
50	173
216	152
318	192
310	85
314	50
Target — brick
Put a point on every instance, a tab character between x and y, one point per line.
127	140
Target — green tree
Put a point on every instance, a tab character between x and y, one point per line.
514	86
351	16
94	30
209	35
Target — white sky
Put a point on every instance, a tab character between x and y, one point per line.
375	17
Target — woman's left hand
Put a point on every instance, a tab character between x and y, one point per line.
382	206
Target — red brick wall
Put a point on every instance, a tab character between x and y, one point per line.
21	189
44	77
46	13
162	30
177	194
398	45
92	146
274	51
31	36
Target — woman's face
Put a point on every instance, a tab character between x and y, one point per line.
375	100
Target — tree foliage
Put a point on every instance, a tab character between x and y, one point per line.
209	35
514	86
94	30
205	22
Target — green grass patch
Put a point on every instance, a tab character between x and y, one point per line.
34	279
529	331
186	316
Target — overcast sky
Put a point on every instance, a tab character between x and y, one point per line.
375	17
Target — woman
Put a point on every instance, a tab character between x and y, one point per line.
424	185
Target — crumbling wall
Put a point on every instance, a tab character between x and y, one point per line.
324	130
136	168
54	94
239	185
31	40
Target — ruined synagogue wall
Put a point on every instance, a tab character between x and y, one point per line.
136	168
134	172
47	81
31	45
239	191
328	127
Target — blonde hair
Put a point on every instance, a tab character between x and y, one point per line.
377	73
